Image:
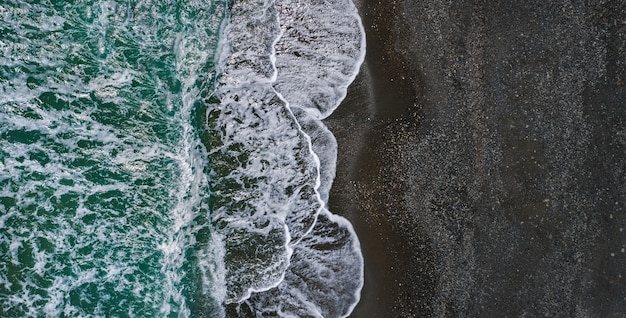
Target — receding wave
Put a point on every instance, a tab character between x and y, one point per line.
285	66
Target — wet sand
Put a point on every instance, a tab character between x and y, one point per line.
481	159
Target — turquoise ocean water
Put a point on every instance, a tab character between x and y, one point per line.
167	158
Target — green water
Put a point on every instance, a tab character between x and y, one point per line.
103	194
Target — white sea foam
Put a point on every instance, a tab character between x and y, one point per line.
89	208
319	54
323	145
254	157
286	65
323	280
97	210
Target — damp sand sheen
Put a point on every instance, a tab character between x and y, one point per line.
168	159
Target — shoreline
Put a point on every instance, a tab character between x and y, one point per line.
480	160
365	126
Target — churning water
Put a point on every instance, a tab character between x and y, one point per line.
167	158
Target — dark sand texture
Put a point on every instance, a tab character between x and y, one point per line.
481	159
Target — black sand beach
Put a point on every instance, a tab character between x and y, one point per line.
481	159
